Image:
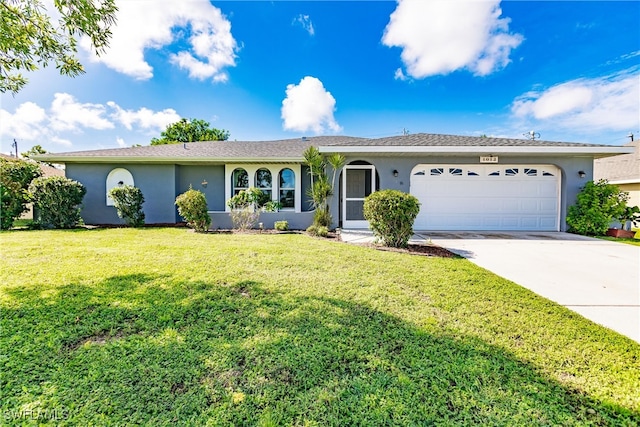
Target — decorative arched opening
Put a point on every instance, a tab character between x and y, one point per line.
117	177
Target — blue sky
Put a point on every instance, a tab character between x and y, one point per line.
269	70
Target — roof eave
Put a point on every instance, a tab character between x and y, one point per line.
466	149
166	160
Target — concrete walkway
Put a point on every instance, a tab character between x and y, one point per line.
596	278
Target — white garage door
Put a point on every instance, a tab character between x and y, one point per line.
487	197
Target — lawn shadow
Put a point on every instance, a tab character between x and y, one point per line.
147	349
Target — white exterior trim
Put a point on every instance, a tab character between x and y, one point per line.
470	149
275	169
170	160
626	181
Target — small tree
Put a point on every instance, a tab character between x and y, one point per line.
128	201
598	204
56	201
192	206
15	177
391	214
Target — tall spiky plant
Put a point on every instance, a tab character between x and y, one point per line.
321	188
336	161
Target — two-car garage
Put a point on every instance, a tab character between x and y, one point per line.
487	197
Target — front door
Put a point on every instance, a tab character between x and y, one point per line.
358	181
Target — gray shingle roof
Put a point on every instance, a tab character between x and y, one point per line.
429	139
625	167
288	149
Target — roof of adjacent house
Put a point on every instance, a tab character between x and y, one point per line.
47	170
623	169
291	150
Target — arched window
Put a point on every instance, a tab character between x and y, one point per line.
239	181
118	177
287	188
265	184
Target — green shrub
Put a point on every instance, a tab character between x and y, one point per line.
244	212
128	201
318	230
192	206
598	204
15	177
391	214
56	201
272	206
281	225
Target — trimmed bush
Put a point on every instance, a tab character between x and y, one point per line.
56	201
192	206
391	214
281	225
318	230
598	204
15	177
128	201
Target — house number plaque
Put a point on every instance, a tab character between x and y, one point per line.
488	159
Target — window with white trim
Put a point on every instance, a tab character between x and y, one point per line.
265	184
287	188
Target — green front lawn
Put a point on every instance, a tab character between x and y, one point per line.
170	327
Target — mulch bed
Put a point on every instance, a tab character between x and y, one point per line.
413	249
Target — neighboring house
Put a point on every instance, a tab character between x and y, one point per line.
624	171
463	183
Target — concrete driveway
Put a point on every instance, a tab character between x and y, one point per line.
596	278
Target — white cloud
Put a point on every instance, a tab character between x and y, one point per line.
144	117
142	25
67	114
439	37
120	142
27	122
305	22
399	75
584	105
309	107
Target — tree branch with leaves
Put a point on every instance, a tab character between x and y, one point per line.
30	39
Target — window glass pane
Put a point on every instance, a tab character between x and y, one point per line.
263	178
240	178
287	198
287	179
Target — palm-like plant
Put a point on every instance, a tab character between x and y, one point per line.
321	188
